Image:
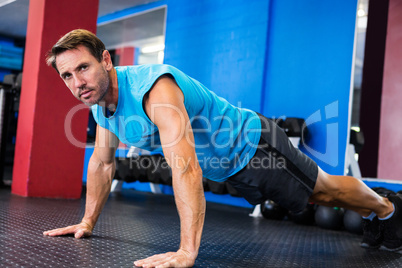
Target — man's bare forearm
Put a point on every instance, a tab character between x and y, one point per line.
190	202
99	181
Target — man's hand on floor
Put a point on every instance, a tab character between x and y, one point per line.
181	258
79	230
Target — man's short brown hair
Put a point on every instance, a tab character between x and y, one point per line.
74	39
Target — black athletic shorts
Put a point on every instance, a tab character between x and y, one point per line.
278	171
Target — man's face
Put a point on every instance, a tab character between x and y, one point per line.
86	78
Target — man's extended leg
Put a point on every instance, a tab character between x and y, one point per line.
351	193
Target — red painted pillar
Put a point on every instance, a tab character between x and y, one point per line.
126	56
47	163
390	145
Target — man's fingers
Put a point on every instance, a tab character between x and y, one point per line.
79	230
56	232
158	264
79	234
150	260
168	262
82	233
52	231
170	259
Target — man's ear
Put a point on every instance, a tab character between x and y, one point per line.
107	59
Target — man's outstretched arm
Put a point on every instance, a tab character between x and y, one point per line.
166	109
101	169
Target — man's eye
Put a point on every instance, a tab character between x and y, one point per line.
84	67
67	76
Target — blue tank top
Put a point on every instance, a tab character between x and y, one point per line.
225	136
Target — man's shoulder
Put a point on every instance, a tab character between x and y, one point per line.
145	71
142	67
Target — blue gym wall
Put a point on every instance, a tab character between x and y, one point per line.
221	44
277	57
309	64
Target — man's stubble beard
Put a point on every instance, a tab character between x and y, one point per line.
104	83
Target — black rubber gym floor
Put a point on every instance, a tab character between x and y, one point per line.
135	225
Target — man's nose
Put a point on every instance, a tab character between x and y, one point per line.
79	81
